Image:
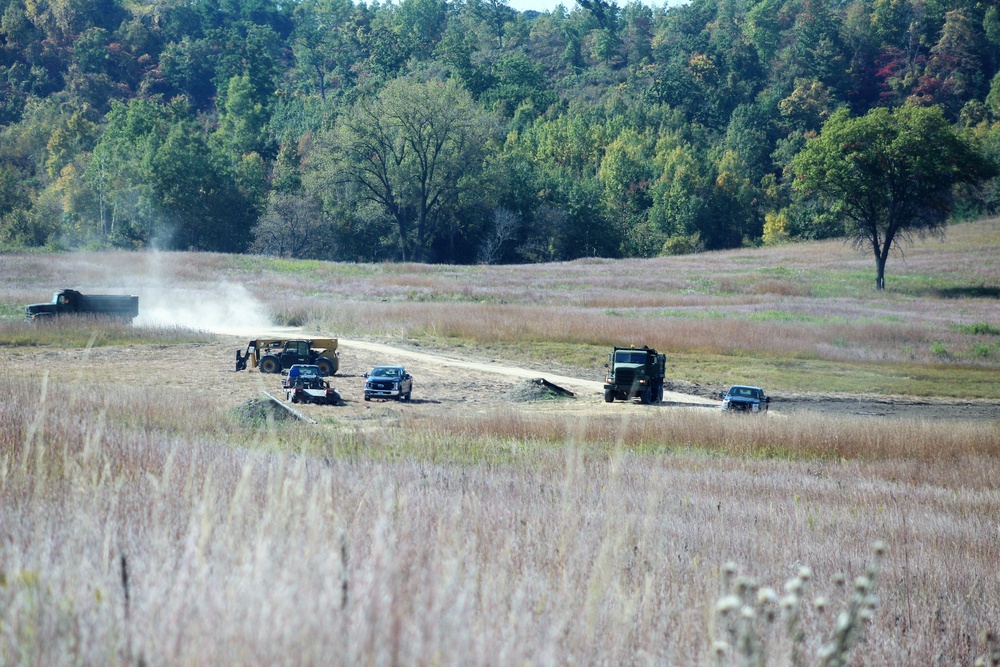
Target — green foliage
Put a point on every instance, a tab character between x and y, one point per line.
407	155
776	228
889	173
673	123
978	329
241	126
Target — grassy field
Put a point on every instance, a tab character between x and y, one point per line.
797	313
144	526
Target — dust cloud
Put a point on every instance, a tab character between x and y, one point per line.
227	308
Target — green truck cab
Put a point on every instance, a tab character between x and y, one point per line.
635	372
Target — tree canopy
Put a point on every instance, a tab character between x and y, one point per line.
464	130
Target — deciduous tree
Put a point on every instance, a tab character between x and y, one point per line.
888	174
410	151
293	226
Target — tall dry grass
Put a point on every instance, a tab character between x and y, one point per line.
838	339
697	429
250	546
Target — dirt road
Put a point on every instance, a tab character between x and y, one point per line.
443	383
575	384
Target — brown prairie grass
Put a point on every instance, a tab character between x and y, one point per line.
551	549
708	431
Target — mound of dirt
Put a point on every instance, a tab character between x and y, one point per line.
257	411
537	389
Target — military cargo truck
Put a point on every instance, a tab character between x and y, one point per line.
635	372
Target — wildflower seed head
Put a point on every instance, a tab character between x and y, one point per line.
788	602
880	548
805	573
747	612
744	585
839	579
727	604
861	584
865	614
766	596
793	585
729	569
871	601
820	604
720	648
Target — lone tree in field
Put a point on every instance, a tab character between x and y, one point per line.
888	173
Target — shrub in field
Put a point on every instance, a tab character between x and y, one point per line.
979	329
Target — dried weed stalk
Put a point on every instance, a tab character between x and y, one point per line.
748	615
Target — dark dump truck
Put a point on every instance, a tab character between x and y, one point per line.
72	302
635	372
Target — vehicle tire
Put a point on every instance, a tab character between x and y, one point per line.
609	396
659	393
326	366
408	394
367	397
646	396
270	364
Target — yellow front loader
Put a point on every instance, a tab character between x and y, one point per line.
273	355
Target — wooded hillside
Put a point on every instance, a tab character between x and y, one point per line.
431	130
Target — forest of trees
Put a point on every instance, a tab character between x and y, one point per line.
462	130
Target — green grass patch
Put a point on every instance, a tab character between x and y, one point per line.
308	269
11	311
84	332
778	375
977	329
844	284
529	352
940	286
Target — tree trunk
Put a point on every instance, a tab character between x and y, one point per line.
881	252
